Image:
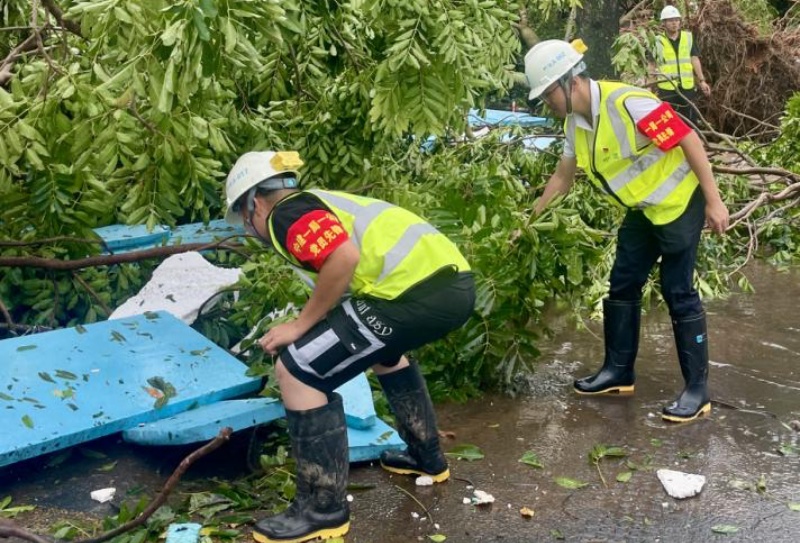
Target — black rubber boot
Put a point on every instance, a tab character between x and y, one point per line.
621	330
416	423
319	510
691	338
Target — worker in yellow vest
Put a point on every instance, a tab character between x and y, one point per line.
677	69
637	150
384	282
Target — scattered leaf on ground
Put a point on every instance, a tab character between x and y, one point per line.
624	477
437	538
46	377
27	421
724	529
64	374
572	484
80	329
25	347
466	452
526	512
655	442
794	506
530	458
108	467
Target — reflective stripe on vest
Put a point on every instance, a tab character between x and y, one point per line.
659	183
677	68
398	248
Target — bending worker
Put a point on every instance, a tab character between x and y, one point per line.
384	282
638	151
677	62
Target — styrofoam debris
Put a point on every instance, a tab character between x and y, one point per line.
414	514
103	495
350	498
180	285
681	485
466	501
479	497
424	480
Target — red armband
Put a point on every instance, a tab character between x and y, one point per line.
664	127
313	237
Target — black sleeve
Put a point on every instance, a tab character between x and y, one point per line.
287	212
695	52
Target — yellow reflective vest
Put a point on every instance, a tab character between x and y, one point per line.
660	183
677	68
398	248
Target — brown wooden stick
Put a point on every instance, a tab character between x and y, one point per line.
107	260
10	529
214	444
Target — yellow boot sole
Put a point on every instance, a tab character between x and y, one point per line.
705	410
438	478
620	390
325	533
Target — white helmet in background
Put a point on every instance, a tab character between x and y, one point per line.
670	12
548	61
253	170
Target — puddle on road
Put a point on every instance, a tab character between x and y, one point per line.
754	378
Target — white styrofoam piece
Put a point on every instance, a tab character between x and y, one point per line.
180	285
103	495
681	485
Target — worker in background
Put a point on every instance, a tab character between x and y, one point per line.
638	151
677	67
384	282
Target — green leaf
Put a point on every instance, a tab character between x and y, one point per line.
724	529
530	458
64	374
437	538
107	467
572	484
793	506
22	348
466	452
46	377
624	476
27	421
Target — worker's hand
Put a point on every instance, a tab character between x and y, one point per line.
717	217
705	88
280	336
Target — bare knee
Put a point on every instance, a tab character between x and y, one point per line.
383	369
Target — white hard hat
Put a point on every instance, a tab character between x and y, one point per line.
251	170
670	12
547	62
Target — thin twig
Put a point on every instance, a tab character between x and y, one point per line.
92	293
407	493
214	444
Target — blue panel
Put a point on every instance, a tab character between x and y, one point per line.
69	386
494	117
204	423
357	398
202	233
188	532
121	237
370	443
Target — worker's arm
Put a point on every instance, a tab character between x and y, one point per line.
559	183
698	75
716	212
332	283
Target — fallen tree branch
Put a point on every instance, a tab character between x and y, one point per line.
58	15
108	260
10	529
213	445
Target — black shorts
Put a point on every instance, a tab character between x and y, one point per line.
362	331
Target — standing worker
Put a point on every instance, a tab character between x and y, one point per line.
636	149
384	282
677	62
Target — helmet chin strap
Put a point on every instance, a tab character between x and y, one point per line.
566	85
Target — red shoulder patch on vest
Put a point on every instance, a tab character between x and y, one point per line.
314	236
664	127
